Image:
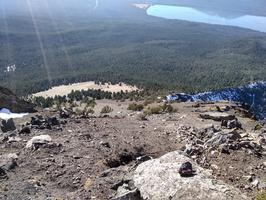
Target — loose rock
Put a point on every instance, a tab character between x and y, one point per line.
37	141
8	161
8	125
25	130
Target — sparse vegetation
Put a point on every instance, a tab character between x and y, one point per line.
87	97
165	108
261	195
135	107
106	109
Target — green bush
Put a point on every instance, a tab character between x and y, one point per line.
88	111
165	108
135	107
106	109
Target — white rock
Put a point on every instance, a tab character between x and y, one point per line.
41	139
159	179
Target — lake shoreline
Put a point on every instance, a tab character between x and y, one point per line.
253	22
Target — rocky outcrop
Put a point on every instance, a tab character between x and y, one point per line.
159	179
7	125
10	101
217	116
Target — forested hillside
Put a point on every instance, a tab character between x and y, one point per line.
137	49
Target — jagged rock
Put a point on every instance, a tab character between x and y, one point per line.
217	116
225	148
25	130
37	141
3	174
192	149
53	121
123	193
222	137
63	113
14	139
8	125
159	179
8	161
5	136
231	124
39	122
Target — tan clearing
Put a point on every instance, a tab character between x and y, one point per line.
66	89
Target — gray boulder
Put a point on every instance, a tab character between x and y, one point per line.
217	116
159	179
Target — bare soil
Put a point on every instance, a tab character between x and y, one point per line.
96	155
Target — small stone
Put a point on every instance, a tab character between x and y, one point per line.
124	193
3	174
143	158
105	144
213	166
87	184
247	187
186	169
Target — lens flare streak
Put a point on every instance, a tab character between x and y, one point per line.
37	31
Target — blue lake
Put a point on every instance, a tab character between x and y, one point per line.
257	23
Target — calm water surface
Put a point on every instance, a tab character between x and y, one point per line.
257	23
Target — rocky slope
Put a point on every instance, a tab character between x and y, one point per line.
252	95
59	156
12	102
